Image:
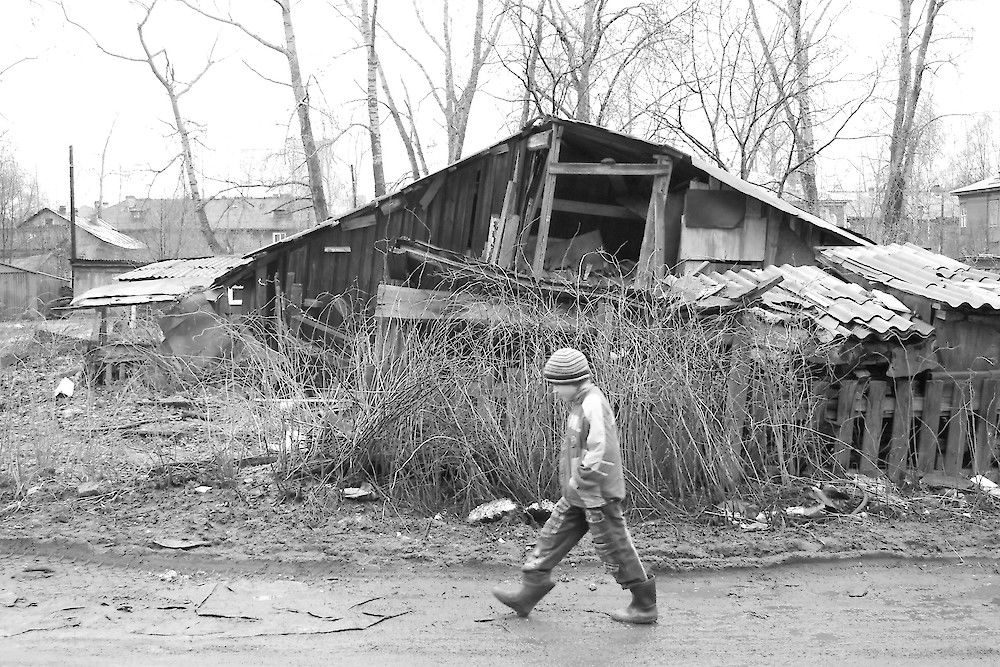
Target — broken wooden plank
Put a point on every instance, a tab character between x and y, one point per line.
958	429
652	260
901	422
548	195
537	142
336	248
845	425
983	454
873	429
358	223
432	191
606	169
930	418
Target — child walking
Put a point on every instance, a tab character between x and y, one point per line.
593	486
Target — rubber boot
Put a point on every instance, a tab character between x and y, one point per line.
643	607
534	586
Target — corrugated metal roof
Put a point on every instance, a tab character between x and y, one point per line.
131	293
839	308
915	270
201	271
990	183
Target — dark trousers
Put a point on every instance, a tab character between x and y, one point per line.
568	524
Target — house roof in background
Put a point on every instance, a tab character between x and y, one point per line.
837	307
99	228
989	183
200	272
915	270
107	233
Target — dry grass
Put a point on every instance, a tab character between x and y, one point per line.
452	413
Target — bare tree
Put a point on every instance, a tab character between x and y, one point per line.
299	90
578	59
978	152
797	105
366	24
454	99
158	62
18	197
912	67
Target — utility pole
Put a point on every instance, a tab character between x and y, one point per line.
72	222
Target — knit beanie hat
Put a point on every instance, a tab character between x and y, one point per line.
566	366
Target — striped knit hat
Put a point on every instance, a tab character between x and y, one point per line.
566	366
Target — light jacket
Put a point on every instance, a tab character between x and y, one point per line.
590	461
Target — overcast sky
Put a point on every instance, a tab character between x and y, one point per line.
71	93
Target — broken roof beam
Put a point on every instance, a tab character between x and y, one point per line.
548	195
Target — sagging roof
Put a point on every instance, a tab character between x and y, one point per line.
917	271
838	308
201	271
985	185
131	293
160	282
618	145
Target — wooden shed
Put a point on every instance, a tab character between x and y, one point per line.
25	291
539	202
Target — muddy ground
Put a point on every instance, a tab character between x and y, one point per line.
55	610
114	506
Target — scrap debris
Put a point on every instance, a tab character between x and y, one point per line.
493	511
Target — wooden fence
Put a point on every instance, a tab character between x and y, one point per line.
947	422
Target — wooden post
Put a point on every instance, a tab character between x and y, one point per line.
986	427
930	419
873	428
901	421
538	264
652	259
958	428
845	425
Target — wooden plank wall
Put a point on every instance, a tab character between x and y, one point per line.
948	422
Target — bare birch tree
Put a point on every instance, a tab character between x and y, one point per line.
300	93
453	97
912	66
158	62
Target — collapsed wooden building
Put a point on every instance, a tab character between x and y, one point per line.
568	208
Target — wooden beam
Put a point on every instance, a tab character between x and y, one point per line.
548	196
591	208
930	416
432	191
652	256
358	223
902	419
602	169
337	248
873	429
537	142
416	304
845	425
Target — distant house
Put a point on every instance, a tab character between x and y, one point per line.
101	250
170	229
978	230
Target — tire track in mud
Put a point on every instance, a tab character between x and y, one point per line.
78	552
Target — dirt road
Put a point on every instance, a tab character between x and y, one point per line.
57	610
